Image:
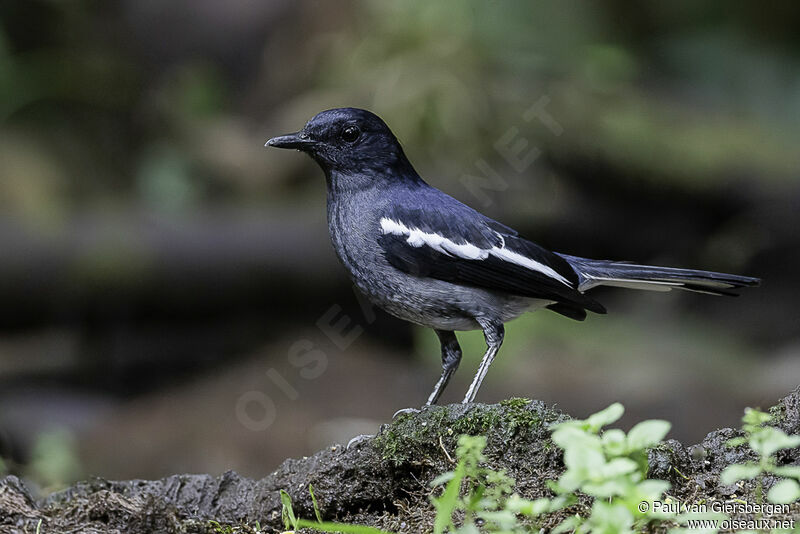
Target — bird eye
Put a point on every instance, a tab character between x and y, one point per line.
350	133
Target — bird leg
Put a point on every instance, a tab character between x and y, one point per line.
493	332
451	357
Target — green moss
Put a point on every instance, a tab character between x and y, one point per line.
778	413
215	527
518	414
477	422
664	446
419	437
411	436
219	528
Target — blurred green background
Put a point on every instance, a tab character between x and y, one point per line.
161	271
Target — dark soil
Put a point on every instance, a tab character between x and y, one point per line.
382	481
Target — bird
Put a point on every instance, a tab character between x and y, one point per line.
429	259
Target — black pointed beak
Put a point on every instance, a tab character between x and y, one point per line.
298	140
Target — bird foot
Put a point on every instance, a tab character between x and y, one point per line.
405	411
359	439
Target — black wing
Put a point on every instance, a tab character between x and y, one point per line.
457	244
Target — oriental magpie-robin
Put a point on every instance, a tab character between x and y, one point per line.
425	257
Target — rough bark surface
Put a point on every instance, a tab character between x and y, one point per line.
382	481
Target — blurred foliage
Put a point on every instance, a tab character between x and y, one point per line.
54	460
88	118
450	75
164	179
631	338
53	463
122	122
641	351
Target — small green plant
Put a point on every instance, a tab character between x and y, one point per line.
314	501
291	522
287	512
485	489
342	528
487	496
220	528
765	441
611	468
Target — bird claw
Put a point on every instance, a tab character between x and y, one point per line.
358	439
405	411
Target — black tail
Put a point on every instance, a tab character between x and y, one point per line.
594	273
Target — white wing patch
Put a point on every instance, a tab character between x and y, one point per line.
418	238
524	261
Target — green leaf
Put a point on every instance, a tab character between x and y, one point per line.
784	492
610	517
614	442
571	437
474	499
443	478
447	503
314	502
556	487
287	513
617	467
470	448
570	481
344	528
606	489
769	440
568	525
505	519
646	434
755	417
790	471
605	417
583	459
572	423
735	442
527	507
651	489
736	472
563	501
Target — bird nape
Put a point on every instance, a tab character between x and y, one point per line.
425	257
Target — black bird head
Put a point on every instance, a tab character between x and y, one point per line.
350	142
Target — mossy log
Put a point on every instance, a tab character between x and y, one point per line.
382	481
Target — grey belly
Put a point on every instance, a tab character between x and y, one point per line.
446	306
